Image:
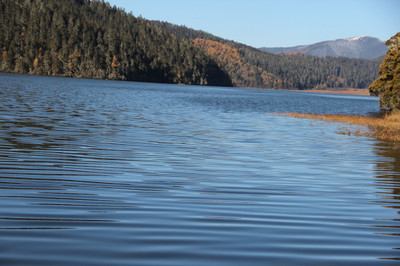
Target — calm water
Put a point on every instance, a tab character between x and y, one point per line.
120	173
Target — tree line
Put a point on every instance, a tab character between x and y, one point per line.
92	39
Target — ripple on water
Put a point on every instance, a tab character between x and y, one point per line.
102	173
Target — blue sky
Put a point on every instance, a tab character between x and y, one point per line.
275	23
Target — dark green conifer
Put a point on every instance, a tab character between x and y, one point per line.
387	85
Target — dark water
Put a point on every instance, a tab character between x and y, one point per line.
118	173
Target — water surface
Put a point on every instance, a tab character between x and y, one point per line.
123	173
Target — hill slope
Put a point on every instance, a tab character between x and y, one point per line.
250	67
362	47
90	39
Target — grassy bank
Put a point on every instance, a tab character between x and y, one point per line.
347	91
342	91
383	126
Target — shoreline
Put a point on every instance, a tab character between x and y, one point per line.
349	91
382	126
364	92
345	91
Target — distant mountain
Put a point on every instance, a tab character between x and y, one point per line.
361	47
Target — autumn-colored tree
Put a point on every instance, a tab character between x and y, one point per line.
4	55
114	62
36	62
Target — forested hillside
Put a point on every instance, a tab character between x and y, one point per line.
91	39
248	66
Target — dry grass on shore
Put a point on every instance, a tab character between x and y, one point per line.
384	127
343	91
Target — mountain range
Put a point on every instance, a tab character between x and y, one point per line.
360	47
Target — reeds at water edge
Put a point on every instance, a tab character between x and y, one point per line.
383	126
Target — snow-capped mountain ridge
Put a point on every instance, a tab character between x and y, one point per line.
355	47
356	38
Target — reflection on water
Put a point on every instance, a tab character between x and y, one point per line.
388	181
122	173
388	172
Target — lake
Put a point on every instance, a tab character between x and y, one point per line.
124	173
